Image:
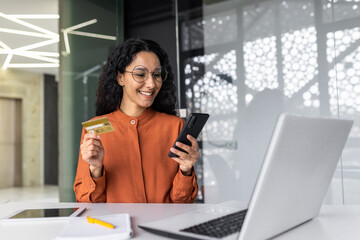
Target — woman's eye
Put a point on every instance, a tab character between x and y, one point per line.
157	75
140	74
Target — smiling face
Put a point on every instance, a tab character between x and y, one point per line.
137	96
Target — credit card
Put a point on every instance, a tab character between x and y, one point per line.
98	126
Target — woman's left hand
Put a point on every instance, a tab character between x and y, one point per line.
186	159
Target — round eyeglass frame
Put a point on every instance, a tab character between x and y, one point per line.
163	78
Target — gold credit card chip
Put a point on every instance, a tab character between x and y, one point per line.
98	126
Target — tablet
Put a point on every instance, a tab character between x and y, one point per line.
45	213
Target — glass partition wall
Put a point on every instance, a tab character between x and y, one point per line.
241	61
89	31
244	62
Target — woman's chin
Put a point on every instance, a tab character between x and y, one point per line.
147	104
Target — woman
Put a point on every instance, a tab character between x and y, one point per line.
136	93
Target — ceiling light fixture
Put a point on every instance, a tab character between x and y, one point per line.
25	33
29	25
35	16
37	45
70	30
33	65
4	45
93	35
50	58
66	41
45	54
7	61
81	25
8	58
34	56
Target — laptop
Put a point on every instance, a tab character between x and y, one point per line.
297	169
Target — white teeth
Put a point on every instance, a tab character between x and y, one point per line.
145	93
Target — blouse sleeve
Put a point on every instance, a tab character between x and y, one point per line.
86	188
184	188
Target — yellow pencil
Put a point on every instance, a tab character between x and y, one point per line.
97	221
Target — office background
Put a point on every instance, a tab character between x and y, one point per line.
243	62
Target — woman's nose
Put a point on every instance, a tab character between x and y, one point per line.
150	81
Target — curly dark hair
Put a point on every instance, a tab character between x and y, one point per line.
109	93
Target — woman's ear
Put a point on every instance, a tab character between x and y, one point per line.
120	79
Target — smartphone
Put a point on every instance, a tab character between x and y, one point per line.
193	126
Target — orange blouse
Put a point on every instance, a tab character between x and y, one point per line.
137	168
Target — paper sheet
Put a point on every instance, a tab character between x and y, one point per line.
79	228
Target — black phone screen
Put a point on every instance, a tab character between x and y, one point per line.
193	126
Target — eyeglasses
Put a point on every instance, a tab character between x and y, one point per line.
140	74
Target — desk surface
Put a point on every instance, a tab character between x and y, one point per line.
334	221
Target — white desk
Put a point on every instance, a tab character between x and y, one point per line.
333	223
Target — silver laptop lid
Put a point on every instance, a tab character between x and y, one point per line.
296	172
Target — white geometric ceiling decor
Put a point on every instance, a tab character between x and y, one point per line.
40	37
71	30
29	45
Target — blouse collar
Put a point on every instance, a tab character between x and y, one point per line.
142	119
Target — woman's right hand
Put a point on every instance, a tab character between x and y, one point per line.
92	152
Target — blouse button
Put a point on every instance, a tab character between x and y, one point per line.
132	122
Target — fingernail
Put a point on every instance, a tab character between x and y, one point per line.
98	136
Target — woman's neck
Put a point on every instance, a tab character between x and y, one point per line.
132	112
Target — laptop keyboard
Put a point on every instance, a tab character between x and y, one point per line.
219	227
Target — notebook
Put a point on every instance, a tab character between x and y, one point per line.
78	228
297	169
